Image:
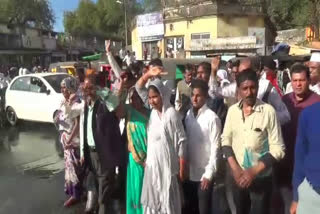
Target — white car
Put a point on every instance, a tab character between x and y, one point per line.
34	97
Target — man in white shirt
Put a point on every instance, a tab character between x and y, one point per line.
203	128
314	66
128	59
266	92
122	53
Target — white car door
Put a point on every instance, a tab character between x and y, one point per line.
40	99
18	97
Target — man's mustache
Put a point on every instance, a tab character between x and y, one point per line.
250	97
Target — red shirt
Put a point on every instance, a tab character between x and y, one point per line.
289	131
274	81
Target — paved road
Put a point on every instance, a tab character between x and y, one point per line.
31	172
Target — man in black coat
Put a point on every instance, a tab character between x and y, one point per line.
102	147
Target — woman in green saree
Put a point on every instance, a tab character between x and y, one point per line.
136	116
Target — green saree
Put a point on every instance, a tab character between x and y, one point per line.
137	137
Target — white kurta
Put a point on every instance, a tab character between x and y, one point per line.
166	143
160	186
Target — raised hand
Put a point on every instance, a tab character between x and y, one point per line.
156	71
215	63
108	45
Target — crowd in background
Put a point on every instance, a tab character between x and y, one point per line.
234	138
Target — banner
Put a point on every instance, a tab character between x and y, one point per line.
230	43
150	26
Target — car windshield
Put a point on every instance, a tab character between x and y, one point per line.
55	81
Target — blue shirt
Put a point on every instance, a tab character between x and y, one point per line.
307	149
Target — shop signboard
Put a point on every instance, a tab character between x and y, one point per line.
231	43
150	26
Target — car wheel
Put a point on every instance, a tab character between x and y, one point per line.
12	116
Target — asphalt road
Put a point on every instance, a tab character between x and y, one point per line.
31	172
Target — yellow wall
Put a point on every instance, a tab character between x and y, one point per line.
222	26
136	44
234	26
186	28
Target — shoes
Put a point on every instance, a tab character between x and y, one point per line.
71	201
91	202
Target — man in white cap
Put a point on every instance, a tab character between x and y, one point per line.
314	66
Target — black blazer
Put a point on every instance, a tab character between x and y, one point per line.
106	132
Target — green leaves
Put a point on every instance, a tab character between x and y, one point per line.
106	18
152	5
288	14
103	19
25	12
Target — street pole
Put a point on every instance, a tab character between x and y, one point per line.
125	21
125	18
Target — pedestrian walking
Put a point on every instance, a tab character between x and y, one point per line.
129	59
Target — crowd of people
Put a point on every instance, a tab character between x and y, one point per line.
232	141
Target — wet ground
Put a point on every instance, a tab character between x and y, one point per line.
31	172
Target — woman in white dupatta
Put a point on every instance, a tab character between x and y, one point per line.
166	147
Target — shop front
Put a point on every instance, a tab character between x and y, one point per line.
147	37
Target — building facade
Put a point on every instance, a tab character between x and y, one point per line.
193	29
31	46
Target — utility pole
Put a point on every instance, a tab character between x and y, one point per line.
125	21
125	18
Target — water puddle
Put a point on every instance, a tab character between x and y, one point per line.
30	149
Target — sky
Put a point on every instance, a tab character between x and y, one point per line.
59	6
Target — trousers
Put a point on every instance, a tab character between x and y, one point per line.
255	199
197	201
105	182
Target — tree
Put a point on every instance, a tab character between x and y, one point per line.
287	14
27	12
152	5
104	19
314	19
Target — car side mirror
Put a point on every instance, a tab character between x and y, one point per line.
48	92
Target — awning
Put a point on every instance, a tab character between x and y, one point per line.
92	57
299	50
